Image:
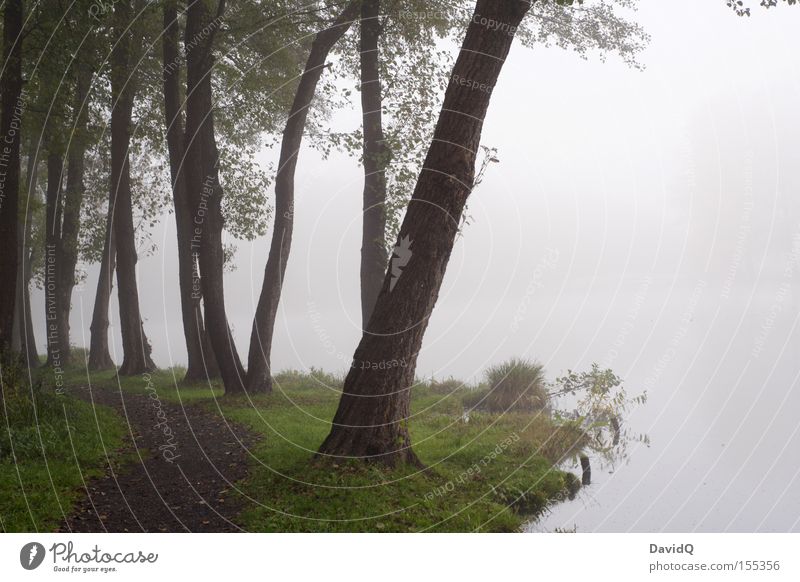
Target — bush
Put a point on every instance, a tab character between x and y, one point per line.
517	384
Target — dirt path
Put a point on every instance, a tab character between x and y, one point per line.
185	461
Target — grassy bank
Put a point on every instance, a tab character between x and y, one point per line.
488	473
50	444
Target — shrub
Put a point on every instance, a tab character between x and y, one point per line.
600	409
517	384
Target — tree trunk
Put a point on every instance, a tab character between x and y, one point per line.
371	422
18	328
53	216
28	345
201	363
63	228
205	193
27	339
135	346
10	126
586	470
23	237
99	356
67	256
373	244
259	372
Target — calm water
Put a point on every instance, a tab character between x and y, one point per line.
722	417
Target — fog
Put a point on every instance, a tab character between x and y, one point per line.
645	220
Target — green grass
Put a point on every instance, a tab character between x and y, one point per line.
49	445
491	473
295	494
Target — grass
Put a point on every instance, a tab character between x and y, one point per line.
459	492
514	385
485	472
50	443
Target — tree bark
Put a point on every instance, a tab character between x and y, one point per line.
259	371
135	346
10	122
586	470
17	328
28	345
99	356
373	241
24	325
63	226
53	216
371	422
205	193
68	247
19	343
201	363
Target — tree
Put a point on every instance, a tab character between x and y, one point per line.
738	6
28	254
53	218
395	45
409	34
57	123
239	41
375	156
201	362
371	422
372	417
259	370
59	116
11	108
136	347
99	355
133	97
63	224
205	190
226	51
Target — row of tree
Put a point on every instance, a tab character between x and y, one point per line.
105	118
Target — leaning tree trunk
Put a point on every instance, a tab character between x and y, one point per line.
53	215
201	363
135	346
10	126
371	422
205	192
373	246
99	355
259	372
